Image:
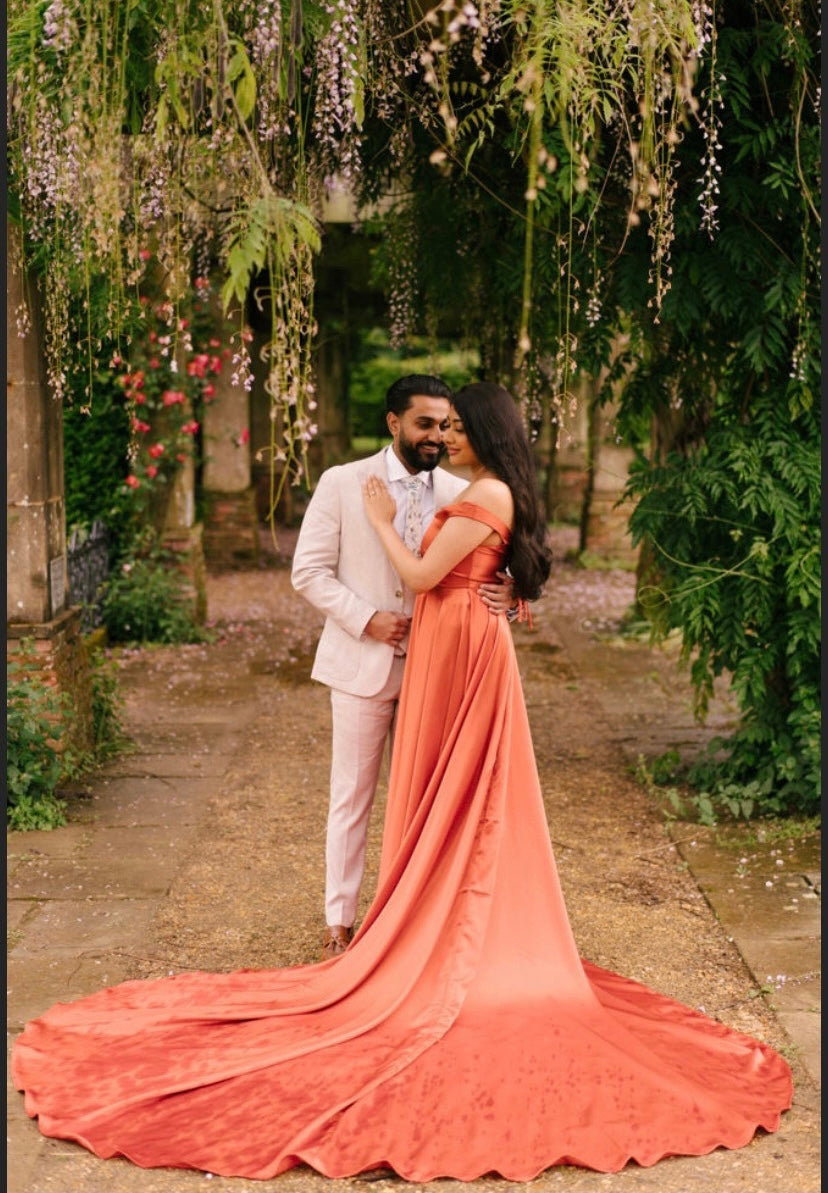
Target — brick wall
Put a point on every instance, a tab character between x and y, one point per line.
57	652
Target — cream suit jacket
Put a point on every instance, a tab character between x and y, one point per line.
339	566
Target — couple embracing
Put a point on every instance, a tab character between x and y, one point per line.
459	1032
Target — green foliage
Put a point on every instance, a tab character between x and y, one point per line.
95	445
41	752
108	734
735	527
377	366
146	600
728	493
34	728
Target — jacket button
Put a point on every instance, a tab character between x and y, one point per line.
398	593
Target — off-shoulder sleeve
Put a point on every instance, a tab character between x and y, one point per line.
469	509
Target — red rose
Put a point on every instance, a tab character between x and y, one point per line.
156	450
132	481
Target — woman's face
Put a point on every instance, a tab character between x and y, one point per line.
460	452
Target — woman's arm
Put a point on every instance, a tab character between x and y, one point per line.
456	539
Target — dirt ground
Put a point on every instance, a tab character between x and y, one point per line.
248	892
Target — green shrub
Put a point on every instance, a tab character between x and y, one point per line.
146	600
35	731
108	735
95	447
734	526
40	753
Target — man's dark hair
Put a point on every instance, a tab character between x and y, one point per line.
399	395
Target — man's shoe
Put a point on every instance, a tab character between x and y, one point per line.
337	939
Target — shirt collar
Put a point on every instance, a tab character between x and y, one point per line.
398	472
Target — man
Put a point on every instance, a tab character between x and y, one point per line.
341	569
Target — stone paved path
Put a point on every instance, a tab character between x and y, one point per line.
203	849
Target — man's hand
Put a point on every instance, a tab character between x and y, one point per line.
499	597
389	628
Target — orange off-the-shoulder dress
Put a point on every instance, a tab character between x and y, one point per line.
460	1034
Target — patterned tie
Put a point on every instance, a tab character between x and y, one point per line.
414	515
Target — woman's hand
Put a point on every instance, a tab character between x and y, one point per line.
380	506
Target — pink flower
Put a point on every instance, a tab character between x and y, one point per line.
139	398
138	379
152	471
214	343
190	428
144	254
209	390
197	367
153	336
138	425
183	324
156	450
244	437
247	335
155	363
171	397
181	457
215	364
124	379
132	481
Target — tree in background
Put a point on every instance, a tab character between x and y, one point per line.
621	191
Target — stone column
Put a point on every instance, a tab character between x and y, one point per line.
231	522
43	630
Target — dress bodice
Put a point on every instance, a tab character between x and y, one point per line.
481	564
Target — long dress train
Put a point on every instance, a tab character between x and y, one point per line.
460	1034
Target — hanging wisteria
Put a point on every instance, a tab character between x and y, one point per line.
144	135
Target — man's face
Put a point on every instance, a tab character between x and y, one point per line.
418	432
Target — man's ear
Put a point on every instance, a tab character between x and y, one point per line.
392	421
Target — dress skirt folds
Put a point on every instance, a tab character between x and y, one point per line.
460	1034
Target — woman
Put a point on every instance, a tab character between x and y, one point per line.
460	1033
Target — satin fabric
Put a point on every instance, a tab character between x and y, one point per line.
460	1034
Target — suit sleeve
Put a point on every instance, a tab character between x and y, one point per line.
315	572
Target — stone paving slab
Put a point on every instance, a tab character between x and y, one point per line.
74	927
173	803
34	983
99	878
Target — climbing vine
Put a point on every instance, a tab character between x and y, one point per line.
207	135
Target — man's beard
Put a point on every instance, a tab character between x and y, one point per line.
412	456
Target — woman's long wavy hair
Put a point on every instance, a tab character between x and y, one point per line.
495	429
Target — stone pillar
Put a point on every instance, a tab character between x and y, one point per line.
231	523
38	607
608	534
183	536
